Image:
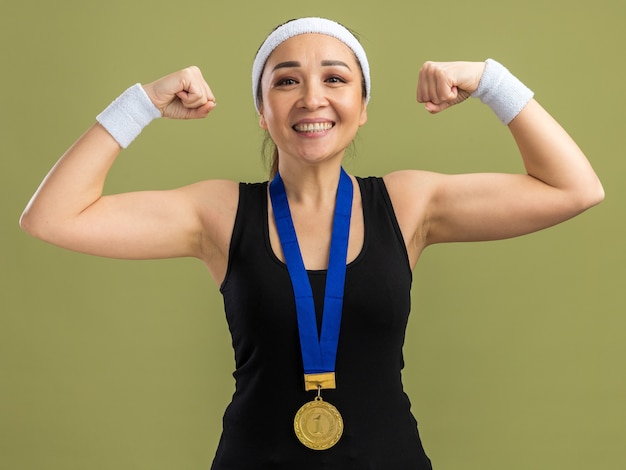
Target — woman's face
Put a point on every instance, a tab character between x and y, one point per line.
312	98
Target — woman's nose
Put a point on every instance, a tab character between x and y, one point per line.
313	96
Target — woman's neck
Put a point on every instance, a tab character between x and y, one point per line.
312	184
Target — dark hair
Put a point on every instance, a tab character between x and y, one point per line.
269	151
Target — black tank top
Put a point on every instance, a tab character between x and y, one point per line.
379	429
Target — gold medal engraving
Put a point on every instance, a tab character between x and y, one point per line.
318	424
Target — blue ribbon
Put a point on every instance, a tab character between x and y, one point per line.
319	352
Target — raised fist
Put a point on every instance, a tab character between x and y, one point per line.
182	95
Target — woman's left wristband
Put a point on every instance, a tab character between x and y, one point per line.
504	93
126	117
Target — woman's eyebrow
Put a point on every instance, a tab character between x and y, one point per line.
287	65
334	63
325	63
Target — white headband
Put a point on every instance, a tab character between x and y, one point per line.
308	26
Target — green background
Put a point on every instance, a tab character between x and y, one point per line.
515	350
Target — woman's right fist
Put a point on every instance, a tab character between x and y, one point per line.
182	95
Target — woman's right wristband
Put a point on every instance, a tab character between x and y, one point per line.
126	117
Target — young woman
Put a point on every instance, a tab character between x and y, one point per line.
317	286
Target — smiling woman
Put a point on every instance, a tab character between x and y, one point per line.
314	266
321	91
287	31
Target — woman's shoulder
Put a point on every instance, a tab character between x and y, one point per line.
222	197
402	177
408	184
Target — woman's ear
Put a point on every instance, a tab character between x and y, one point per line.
262	122
363	118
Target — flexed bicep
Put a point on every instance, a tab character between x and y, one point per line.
69	209
147	224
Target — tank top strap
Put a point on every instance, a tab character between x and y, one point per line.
381	225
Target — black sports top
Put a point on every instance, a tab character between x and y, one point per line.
379	429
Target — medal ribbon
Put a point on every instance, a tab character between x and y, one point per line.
319	352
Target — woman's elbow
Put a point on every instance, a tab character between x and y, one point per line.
597	195
33	224
26	222
589	196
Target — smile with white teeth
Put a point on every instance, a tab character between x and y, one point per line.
313	126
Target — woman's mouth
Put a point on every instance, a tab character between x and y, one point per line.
312	127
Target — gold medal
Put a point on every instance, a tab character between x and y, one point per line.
318	424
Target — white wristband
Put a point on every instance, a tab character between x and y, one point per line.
126	117
502	91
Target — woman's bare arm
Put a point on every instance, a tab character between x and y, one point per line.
69	209
559	184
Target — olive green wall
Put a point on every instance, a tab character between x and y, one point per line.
515	350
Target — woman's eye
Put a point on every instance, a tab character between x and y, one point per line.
335	79
286	82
